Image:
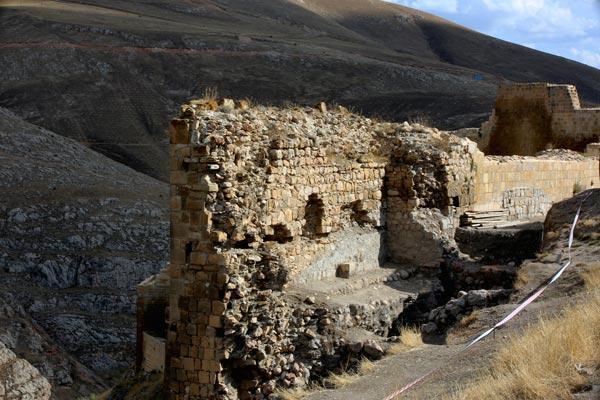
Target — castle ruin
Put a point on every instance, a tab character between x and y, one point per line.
532	117
280	218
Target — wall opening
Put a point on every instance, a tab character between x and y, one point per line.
189	246
314	213
456	201
281	234
356	213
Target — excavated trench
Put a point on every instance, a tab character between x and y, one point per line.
341	322
365	314
481	274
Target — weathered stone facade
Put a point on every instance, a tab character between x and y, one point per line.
268	204
529	118
526	187
262	199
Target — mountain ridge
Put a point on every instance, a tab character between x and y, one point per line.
111	73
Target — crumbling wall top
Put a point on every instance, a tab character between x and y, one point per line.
274	175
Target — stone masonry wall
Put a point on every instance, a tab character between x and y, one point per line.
152	295
529	118
264	197
265	200
429	185
527	186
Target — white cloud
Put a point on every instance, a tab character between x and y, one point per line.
539	18
587	57
569	28
449	6
515	6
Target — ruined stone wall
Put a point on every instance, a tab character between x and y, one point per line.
267	201
154	351
429	185
527	186
529	118
264	198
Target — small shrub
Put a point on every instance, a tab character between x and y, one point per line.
210	94
410	337
577	188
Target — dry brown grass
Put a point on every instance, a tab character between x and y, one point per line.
211	93
552	235
410	337
366	367
468	320
296	393
591	276
422	119
332	381
543	361
589	223
340	380
345	377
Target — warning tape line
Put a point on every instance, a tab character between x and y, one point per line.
524	303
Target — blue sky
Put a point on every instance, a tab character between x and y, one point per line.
567	28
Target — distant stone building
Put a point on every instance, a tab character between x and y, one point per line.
528	118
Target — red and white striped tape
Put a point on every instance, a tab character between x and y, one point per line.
524	303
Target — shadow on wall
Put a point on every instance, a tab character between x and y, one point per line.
529	118
523	127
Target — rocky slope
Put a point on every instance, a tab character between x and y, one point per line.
20	379
144	58
78	231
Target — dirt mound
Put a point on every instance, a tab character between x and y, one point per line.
560	217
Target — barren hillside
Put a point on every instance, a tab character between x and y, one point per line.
110	73
78	231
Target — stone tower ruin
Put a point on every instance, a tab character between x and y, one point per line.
532	117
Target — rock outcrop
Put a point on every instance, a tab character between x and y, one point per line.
19	380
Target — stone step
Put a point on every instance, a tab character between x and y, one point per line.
484	219
370	301
360	280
